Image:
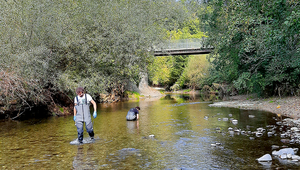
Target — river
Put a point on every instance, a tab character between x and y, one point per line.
174	132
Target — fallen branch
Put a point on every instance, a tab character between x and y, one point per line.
19	114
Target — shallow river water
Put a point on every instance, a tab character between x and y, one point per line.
174	132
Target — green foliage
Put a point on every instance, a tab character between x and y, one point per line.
159	71
243	81
96	44
162	91
61	109
166	70
196	71
187	90
256	44
179	64
132	94
190	29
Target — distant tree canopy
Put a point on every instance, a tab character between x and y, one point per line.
65	44
166	71
196	71
256	44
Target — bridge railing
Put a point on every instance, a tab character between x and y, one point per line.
182	44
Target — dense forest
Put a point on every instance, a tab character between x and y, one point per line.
256	46
50	47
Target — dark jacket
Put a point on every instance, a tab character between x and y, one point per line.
132	114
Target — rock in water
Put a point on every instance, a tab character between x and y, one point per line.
284	151
265	158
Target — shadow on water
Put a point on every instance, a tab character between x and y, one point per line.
174	132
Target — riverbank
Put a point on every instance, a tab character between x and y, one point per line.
285	106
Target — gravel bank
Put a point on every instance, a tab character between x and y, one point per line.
286	106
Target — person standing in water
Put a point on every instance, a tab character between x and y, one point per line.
82	113
133	114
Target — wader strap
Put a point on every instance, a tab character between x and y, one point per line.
85	99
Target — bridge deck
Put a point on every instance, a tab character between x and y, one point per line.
186	51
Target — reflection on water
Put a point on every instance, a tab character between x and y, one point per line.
84	159
173	132
132	126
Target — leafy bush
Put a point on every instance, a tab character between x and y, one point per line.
256	45
132	94
95	44
196	71
187	90
52	47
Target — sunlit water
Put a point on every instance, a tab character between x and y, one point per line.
185	131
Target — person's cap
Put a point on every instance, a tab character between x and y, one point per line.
79	89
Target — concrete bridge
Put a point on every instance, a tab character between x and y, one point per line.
182	47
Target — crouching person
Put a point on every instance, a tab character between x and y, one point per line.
82	113
133	114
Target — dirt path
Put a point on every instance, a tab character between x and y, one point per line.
286	106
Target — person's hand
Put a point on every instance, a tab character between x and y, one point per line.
95	114
74	118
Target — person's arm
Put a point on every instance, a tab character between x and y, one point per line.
75	103
95	108
137	115
75	112
94	105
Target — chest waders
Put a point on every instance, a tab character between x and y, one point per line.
83	115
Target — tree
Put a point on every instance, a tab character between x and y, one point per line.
196	71
160	70
257	40
60	45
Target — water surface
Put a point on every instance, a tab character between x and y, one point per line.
185	132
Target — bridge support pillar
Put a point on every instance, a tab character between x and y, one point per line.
143	81
144	87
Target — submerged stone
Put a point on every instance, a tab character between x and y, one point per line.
267	165
275	147
234	121
259	134
251	116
